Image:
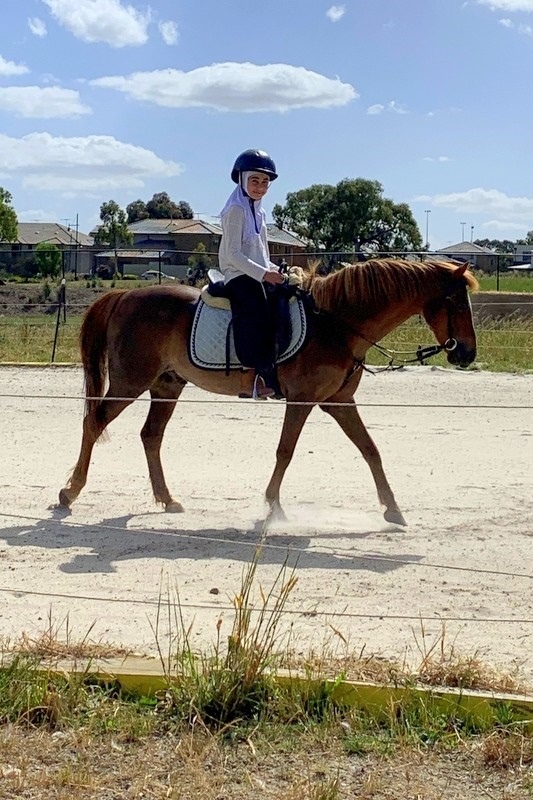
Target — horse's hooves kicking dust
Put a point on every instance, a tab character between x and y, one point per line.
395	517
174	507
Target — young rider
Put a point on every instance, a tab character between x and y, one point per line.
244	260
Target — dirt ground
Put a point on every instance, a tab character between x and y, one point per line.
71	766
457	448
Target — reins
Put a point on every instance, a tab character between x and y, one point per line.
418	356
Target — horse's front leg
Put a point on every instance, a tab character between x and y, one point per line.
165	393
351	423
295	418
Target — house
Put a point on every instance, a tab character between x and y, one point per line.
173	242
481	258
76	247
286	246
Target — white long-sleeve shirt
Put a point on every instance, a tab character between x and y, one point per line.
238	256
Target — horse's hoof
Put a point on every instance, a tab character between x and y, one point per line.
60	510
64	499
276	514
174	507
395	517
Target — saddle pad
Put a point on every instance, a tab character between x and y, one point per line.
207	345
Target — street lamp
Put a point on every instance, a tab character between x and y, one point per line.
471	234
427	212
462	224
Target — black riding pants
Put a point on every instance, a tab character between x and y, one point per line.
253	326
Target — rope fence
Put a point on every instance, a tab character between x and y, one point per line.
348	555
272	404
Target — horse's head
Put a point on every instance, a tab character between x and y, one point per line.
449	315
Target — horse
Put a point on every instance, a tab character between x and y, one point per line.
136	340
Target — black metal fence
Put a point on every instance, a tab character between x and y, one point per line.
84	262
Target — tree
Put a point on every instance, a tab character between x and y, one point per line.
114	228
351	216
136	211
199	263
528	239
8	218
48	257
162	207
498	245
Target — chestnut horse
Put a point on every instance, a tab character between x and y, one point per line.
139	338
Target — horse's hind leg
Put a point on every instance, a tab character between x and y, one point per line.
94	425
165	393
351	423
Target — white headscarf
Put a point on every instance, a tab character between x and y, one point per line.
253	212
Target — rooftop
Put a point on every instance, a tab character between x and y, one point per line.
32	233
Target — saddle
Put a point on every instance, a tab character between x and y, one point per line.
211	344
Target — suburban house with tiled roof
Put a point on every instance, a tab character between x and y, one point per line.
479	257
170	243
76	247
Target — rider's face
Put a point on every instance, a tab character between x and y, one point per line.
257	185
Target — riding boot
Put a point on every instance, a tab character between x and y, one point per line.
270	378
253	386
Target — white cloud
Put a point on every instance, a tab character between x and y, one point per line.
335	13
504	225
107	21
440	159
234	87
484	201
398	108
392	105
35	102
10	68
36	215
169	32
507	23
80	164
37	27
508	5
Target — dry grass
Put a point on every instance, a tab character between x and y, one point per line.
38	765
59	641
439	664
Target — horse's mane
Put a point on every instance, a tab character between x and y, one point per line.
374	283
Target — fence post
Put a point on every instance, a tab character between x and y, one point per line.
61	302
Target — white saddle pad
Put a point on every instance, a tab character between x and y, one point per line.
207	345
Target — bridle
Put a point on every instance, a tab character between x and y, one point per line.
400	358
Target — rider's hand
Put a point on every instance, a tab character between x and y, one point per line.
273	276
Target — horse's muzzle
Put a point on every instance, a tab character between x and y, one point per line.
462	355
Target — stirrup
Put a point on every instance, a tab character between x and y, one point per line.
257	394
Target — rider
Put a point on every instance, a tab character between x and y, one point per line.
244	260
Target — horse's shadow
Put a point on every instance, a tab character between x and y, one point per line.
111	541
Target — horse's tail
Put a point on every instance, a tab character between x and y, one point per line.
93	347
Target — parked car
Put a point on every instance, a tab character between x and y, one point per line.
153	274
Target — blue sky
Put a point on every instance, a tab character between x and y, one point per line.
118	99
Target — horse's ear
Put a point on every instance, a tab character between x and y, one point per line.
460	271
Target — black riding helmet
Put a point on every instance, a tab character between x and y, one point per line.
254	161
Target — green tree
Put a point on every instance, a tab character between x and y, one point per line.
498	245
162	207
136	211
48	257
8	218
199	262
352	216
527	240
114	228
